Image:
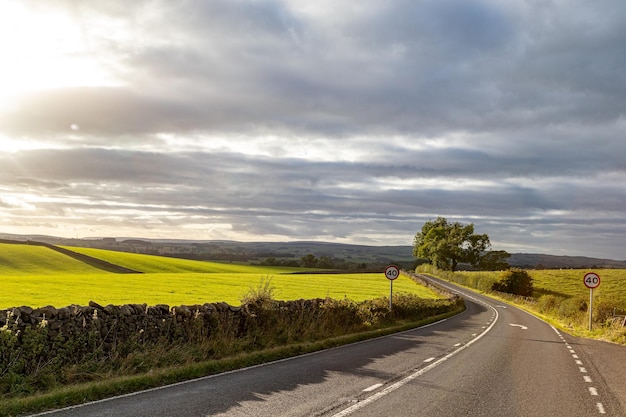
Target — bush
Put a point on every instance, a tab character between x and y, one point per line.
572	307
604	309
514	281
547	304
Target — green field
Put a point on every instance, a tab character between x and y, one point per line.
37	276
568	283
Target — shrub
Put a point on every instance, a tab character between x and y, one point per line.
548	303
604	309
514	281
572	307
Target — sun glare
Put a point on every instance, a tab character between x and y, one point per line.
42	49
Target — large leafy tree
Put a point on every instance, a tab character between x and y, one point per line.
446	244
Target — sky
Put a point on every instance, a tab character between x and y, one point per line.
332	120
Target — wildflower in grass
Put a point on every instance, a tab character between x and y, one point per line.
44	322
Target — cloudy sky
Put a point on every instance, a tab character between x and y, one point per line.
332	120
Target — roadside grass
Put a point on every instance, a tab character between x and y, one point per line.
561	298
60	280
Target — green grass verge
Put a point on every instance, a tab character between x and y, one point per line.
77	394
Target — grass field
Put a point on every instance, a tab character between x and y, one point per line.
568	283
37	276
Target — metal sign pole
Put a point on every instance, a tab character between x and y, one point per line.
590	306
390	293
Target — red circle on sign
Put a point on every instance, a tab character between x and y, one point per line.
591	280
392	272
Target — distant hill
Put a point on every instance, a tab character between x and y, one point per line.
539	261
254	252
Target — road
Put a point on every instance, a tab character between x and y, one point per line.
491	360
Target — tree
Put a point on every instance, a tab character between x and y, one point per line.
309	260
446	244
515	281
325	262
494	261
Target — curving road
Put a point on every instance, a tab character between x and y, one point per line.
491	360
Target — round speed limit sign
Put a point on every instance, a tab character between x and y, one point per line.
592	280
392	272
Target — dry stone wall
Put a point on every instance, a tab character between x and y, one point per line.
113	325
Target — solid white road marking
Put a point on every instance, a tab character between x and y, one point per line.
593	391
372	388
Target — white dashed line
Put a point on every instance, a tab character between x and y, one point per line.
429	360
593	391
372	388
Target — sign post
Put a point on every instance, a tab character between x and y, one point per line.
391	272
591	280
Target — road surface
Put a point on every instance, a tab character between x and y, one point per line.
491	360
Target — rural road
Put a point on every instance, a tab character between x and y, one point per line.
491	360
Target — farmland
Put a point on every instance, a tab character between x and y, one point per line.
568	283
37	276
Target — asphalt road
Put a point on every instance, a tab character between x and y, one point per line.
491	360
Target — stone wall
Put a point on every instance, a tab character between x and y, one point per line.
112	325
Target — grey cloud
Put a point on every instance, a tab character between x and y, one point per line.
463	66
523	102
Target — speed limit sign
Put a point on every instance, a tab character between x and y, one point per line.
392	272
592	280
